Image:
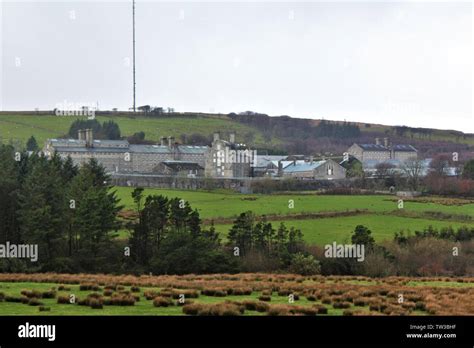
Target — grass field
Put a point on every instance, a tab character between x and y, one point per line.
379	212
287	294
21	127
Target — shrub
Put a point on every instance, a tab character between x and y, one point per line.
419	305
63	300
95	303
151	294
192	309
31	293
34	302
279	310
359	302
89	287
184	303
44	309
214	292
161	301
311	297
341	305
239	291
48	294
63	288
304	265
2	296
304	310
321	309
347	312
256	306
135	289
108	292
265	298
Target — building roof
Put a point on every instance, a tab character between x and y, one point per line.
380	147
303	167
265	160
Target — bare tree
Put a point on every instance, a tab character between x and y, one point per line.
412	169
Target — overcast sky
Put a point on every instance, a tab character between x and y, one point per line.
406	63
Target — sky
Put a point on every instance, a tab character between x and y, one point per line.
396	63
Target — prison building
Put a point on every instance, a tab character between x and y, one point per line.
382	152
315	170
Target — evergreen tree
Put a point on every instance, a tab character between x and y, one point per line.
31	144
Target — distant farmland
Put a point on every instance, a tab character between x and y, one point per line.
379	213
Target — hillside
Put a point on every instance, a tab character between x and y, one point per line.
286	134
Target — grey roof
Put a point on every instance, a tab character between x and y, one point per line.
373	147
90	149
380	147
303	167
188	149
405	148
265	160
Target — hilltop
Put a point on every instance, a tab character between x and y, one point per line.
282	134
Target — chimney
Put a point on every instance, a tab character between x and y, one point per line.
170	141
89	137
280	168
80	134
385	142
377	141
232	138
163	141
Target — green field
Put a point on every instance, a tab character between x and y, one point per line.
21	127
379	215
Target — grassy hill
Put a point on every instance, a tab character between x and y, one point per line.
19	126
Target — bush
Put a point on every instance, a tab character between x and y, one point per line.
256	306
34	302
214	292
64	300
48	294
265	298
63	288
44	309
95	303
161	301
135	289
304	265
279	310
89	287
321	309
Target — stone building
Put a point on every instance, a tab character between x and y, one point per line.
121	157
228	159
315	170
382	152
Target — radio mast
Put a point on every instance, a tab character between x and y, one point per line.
134	83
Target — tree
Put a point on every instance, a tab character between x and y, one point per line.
412	169
304	265
468	170
362	236
31	144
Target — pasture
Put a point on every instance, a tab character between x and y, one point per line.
321	217
239	294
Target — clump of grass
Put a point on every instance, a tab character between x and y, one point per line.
151	294
63	300
134	289
303	310
34	302
311	297
265	298
2	296
44	309
359	302
89	287
108	292
31	293
95	303
279	310
63	288
48	294
161	301
256	306
184	303
216	292
321	309
215	309
341	304
119	300
239	291
347	312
